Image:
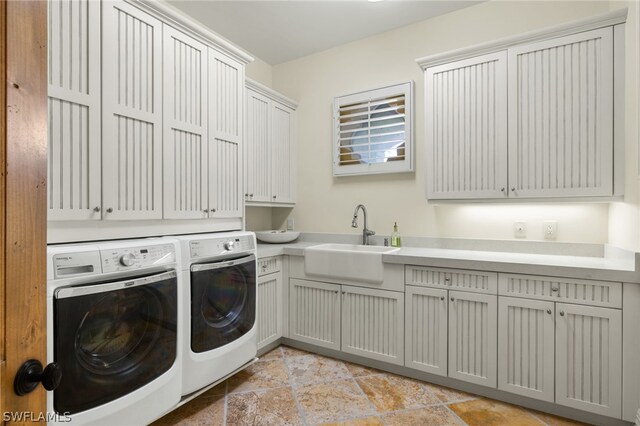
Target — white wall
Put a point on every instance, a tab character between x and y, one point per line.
260	71
325	204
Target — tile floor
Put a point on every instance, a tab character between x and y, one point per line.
292	387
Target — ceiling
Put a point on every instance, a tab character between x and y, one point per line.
280	31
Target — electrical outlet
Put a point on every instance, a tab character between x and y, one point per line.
520	229
550	229
290	224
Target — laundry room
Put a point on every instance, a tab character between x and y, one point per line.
320	212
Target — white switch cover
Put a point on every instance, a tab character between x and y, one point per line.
550	229
290	224
520	229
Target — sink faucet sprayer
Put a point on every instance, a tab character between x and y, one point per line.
366	233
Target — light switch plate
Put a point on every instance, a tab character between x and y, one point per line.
550	229
290	224
520	229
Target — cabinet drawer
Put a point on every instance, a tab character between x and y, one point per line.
269	265
571	290
455	279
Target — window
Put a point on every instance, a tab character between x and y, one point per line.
373	131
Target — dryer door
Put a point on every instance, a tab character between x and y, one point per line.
223	302
113	338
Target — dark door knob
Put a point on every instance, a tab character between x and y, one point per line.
31	373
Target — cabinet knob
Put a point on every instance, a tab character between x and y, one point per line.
205	211
251	195
344	292
442	298
554	289
336	292
561	313
513	188
109	210
549	311
274	197
246	195
212	210
453	299
502	189
96	209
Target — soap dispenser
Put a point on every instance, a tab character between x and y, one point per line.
395	237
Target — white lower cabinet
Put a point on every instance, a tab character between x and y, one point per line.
314	313
269	316
473	330
426	329
373	323
589	358
526	347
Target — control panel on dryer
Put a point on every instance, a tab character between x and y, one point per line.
220	246
120	259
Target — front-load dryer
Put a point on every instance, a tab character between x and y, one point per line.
219	276
112	327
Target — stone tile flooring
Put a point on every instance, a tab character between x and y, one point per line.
292	387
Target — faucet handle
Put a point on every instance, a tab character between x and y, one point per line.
370	232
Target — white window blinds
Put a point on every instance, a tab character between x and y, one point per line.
373	131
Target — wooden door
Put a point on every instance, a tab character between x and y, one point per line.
561	116
526	347
23	196
373	323
466	122
74	110
270	308
225	135
426	329
132	113
281	147
314	313
258	152
186	168
473	329
589	358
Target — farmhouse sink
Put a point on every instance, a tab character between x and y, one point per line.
346	261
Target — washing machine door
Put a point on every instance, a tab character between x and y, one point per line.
113	338
223	302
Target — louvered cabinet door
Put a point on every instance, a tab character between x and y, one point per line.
258	151
186	171
526	347
373	324
561	125
132	113
466	123
74	157
226	84
473	337
589	358
270	308
314	313
282	157
426	329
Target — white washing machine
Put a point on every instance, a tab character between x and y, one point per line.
219	276
113	311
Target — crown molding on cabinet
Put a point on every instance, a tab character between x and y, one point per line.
177	19
594	22
270	93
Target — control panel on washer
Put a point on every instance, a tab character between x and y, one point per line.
220	246
120	259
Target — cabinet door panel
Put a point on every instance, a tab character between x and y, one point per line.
225	97
561	128
426	329
282	133
258	149
74	178
185	126
526	347
224	179
589	358
373	324
466	116
132	113
473	337
270	308
314	314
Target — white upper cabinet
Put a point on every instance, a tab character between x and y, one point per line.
226	83
186	173
561	116
270	147
74	179
132	113
466	111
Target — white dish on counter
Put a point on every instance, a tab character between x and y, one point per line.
276	236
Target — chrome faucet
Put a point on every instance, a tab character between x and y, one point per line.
366	233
